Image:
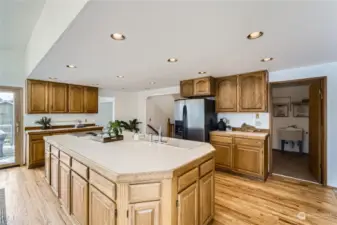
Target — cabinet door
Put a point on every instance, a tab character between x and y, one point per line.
206	200
36	152
253	92
79	199
58	98
146	213
188	206
102	209
247	159
54	174
90	99
226	94
223	154
64	186
76	99
203	86
47	167
186	88
37	96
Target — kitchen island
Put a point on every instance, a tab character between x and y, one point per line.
132	182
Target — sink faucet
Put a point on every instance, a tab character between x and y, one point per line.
159	134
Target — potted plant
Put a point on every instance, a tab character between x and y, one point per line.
131	126
115	129
44	122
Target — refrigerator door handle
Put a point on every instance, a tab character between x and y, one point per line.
184	122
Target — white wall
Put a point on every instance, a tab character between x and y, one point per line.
55	18
158	110
12	68
297	93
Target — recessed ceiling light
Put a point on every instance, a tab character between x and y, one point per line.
152	82
255	35
267	59
202	72
95	84
52	78
120	76
71	66
117	36
171	60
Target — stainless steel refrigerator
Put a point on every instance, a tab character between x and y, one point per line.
194	119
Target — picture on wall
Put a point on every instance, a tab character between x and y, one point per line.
281	110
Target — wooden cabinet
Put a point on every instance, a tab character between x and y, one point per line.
36	153
145	213
64	186
90	100
226	94
102	210
76	99
58	97
79	199
188	207
206	199
47	167
54	174
247	159
223	154
37	96
186	88
252	88
203	86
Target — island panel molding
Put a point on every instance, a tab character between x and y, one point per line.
148	197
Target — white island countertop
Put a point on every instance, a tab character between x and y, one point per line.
124	160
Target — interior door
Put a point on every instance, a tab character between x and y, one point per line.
315	122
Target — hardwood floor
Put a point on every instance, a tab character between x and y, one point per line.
238	201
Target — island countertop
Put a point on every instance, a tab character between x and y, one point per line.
128	159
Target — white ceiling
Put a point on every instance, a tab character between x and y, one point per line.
205	36
17	20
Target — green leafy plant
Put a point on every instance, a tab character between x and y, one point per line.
114	128
131	126
44	122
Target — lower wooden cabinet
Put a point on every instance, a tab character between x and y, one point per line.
79	199
101	208
145	213
36	153
188	212
64	186
223	155
47	167
206	199
54	174
247	159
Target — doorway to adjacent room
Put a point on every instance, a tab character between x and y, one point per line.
298	129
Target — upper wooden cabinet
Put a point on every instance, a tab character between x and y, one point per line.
226	94
76	99
242	93
186	88
253	92
58	97
197	87
90	99
37	96
52	97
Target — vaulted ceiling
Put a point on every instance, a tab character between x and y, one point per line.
203	35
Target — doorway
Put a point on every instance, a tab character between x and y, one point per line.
10	127
298	129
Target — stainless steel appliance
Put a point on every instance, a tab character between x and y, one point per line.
194	119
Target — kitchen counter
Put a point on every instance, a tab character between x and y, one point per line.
255	135
138	180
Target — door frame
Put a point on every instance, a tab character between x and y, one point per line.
304	81
19	143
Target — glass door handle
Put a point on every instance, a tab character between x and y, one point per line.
17	127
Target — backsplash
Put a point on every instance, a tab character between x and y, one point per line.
237	119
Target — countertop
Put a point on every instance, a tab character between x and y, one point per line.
257	135
128	159
63	129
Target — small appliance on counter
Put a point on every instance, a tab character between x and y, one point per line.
222	125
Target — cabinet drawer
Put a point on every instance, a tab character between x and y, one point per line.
34	137
54	151
187	179
206	167
104	185
221	139
80	168
144	192
65	158
248	142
